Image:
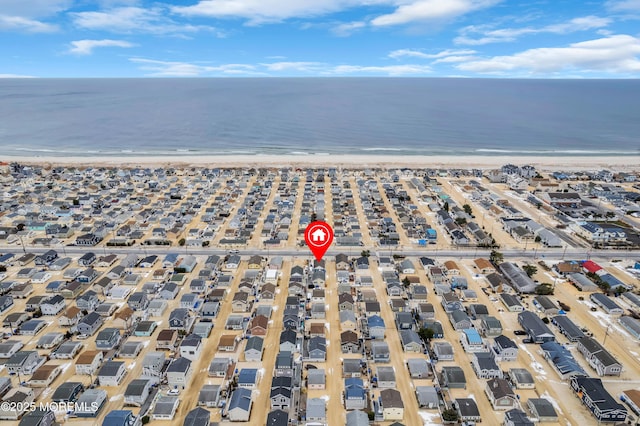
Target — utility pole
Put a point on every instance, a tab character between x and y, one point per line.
606	333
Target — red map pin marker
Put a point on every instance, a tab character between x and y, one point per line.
319	237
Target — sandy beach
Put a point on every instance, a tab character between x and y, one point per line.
541	162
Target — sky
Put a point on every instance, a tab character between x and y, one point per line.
320	38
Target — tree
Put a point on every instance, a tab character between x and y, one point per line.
405	282
545	320
365	253
538	239
461	220
181	241
314	217
445	206
496	257
530	270
544	289
467	209
426	334
145	420
450	415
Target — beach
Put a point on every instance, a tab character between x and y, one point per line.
544	163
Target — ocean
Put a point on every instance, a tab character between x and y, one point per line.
399	116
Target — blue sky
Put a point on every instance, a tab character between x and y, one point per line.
238	38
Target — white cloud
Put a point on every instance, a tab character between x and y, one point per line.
19	23
263	11
157	68
85	47
391	70
132	20
411	53
431	10
348	28
615	54
293	66
453	59
488	35
33	8
15	76
623	5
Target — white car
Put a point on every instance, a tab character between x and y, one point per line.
173	392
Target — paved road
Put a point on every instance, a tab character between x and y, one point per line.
466	253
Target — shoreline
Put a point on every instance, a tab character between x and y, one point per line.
330	160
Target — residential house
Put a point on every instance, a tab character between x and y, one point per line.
191	347
89	362
595	397
179	373
89	324
500	394
240	404
504	349
599	358
253	349
53	305
137	392
108	339
391	404
535	328
355	396
349	342
485	366
112	373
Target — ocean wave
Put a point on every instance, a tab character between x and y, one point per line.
551	151
382	149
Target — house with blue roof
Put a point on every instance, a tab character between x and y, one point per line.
562	360
240	403
248	378
170	260
376	326
472	341
355	396
120	418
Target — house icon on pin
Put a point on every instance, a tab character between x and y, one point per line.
318	235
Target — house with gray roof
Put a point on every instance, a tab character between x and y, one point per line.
517	278
137	392
197	417
485	366
254	348
90	403
504	349
522	378
112	373
536	329
357	418
24	362
453	377
179	372
165	408
419	368
542	410
209	396
427	397
598	357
